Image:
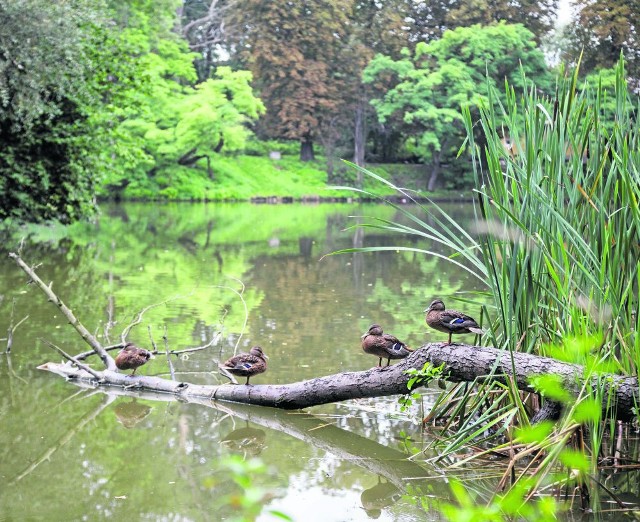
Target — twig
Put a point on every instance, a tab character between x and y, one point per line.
213	342
84	333
82	356
166	351
246	310
110	300
73	359
140	314
152	340
12	328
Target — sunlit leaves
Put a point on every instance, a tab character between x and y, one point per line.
534	434
551	387
428	88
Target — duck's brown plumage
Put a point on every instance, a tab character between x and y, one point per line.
384	346
131	357
247	364
450	321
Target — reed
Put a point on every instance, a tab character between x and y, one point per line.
557	244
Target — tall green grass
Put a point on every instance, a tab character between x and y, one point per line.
561	218
557	245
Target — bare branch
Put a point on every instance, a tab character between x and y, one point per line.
12	328
166	351
84	333
73	359
138	318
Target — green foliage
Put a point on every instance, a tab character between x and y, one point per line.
569	273
248	502
45	89
601	31
558	224
167	130
502	508
444	75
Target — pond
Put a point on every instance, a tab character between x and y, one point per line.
233	275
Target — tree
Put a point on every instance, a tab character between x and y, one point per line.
428	19
207	30
292	50
166	128
603	30
440	77
374	28
205	119
46	167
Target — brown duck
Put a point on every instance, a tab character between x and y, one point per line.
131	357
247	364
384	346
450	321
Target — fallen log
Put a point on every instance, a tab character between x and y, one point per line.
462	363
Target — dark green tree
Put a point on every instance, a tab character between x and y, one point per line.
430	18
46	88
604	29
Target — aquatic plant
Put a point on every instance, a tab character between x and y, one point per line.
556	243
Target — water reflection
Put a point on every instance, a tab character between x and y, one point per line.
247	441
131	413
193	270
379	496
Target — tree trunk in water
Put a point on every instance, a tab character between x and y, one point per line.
435	173
306	150
359	139
462	363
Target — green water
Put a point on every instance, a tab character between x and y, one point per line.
68	453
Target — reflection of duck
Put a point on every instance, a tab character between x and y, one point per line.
450	321
383	346
248	441
247	364
381	495
131	413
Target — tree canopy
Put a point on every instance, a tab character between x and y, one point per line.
430	86
143	98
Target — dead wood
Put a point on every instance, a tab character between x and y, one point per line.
73	321
461	363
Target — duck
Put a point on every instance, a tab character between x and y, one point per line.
384	346
131	357
247	364
450	321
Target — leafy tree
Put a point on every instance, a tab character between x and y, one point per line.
374	28
168	126
440	77
602	31
430	18
46	169
292	48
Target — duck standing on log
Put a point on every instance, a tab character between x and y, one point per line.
383	346
131	357
450	321
247	364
